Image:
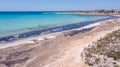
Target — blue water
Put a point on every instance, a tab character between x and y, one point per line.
18	22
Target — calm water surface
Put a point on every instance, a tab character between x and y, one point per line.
17	22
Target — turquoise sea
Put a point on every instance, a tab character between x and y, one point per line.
20	22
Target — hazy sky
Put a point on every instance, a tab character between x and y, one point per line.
48	5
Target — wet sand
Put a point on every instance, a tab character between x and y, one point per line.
63	50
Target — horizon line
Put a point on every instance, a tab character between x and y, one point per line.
51	10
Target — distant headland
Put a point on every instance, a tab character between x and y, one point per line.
86	12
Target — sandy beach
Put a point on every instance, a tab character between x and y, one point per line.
57	50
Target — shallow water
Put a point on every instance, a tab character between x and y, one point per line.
19	22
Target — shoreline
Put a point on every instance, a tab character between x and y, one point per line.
14	37
51	35
47	36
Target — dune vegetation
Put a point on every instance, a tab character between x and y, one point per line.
105	52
